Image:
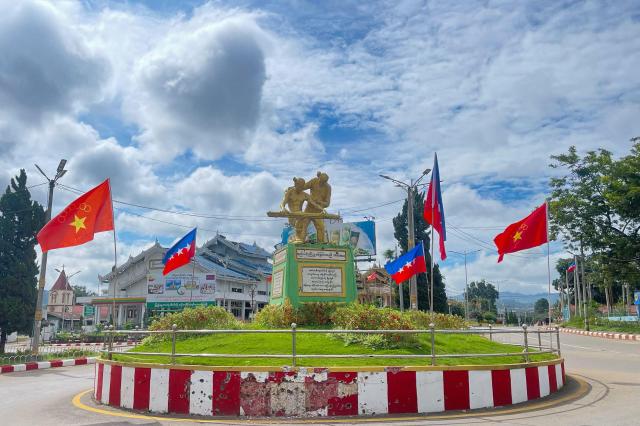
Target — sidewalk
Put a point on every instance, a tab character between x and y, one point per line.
603	334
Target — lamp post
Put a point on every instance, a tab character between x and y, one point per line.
466	280
410	188
35	341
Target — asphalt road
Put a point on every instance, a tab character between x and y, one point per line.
610	367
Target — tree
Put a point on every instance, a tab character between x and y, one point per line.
541	308
421	234
595	206
20	220
482	296
81	291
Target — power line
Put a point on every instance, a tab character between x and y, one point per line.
205	216
188	226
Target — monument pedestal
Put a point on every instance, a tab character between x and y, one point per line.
313	273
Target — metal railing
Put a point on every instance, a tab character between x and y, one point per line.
19	357
294	355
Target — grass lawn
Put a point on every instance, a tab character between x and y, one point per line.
322	344
602	324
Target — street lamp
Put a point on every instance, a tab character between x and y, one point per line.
37	323
466	281
410	188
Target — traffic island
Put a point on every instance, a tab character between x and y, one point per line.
310	392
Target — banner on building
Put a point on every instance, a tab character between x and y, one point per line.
181	288
361	236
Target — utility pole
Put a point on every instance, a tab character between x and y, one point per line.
37	320
466	280
410	188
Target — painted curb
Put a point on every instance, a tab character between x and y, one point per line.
40	365
320	392
603	334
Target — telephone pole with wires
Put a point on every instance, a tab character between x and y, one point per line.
37	323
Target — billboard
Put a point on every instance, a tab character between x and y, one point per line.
181	287
361	236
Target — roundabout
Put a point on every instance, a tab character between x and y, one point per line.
320	392
576	388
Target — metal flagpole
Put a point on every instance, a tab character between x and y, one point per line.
576	287
115	262
548	260
433	201
566	281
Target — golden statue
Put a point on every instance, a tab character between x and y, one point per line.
319	201
314	210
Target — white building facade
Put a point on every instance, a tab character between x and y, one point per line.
225	273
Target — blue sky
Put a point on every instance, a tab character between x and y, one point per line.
212	107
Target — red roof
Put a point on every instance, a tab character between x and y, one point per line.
61	283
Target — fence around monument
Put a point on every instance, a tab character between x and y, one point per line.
528	348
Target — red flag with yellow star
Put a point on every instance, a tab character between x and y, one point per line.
527	233
92	212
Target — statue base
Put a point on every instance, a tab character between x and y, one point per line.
313	273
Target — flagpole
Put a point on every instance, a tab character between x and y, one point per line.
548	260
433	202
566	282
115	261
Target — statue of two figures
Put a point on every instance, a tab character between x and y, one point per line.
301	207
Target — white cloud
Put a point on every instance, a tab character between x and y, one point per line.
46	67
494	88
200	87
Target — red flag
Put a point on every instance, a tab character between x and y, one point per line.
91	213
434	208
527	233
371	277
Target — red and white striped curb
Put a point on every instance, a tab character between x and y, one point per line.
320	392
46	364
605	334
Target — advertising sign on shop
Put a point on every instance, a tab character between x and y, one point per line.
180	289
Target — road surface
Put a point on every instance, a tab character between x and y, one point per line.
610	367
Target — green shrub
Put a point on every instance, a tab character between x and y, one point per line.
316	313
368	317
200	317
421	320
277	316
307	314
489	317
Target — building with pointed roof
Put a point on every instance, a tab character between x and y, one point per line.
225	273
60	295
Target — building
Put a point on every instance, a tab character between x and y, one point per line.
62	314
225	273
375	286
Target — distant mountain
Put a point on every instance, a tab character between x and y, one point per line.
517	301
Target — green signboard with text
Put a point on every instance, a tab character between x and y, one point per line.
88	311
313	273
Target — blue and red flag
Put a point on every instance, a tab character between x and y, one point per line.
407	265
181	253
572	267
434	209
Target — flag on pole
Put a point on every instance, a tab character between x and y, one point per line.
572	267
434	209
181	253
77	224
524	234
407	265
371	277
